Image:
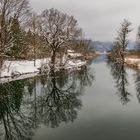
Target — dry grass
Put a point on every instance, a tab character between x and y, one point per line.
133	55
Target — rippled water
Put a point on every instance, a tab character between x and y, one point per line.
100	101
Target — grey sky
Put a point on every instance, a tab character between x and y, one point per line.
99	18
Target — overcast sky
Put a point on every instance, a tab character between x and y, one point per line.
99	19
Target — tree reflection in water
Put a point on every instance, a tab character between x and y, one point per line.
137	82
119	74
57	98
48	100
13	123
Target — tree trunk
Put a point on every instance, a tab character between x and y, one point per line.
53	60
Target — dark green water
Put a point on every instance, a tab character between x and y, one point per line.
98	102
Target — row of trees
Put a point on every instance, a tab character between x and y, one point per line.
24	34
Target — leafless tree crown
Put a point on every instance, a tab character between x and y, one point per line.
59	28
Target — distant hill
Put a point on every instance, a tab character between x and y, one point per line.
100	46
106	46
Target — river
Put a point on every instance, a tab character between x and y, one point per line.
100	101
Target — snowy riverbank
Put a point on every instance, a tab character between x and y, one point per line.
133	62
17	68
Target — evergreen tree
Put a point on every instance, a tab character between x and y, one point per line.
17	37
29	37
9	9
29	42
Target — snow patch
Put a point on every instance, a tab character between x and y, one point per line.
133	61
72	54
18	68
11	68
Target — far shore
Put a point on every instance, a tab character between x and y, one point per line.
91	56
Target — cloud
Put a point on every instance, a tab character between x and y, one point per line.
99	18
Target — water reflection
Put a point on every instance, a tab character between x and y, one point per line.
14	124
57	100
137	82
50	100
118	71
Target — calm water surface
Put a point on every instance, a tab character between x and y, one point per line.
100	101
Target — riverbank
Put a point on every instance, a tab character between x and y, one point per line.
91	56
133	61
22	69
17	68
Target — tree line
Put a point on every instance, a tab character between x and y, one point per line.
25	34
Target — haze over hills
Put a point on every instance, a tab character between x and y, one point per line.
106	46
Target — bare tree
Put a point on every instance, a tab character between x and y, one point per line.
122	41
59	30
118	56
10	9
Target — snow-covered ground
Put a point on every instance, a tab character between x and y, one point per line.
17	69
72	54
133	61
75	63
24	76
11	68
